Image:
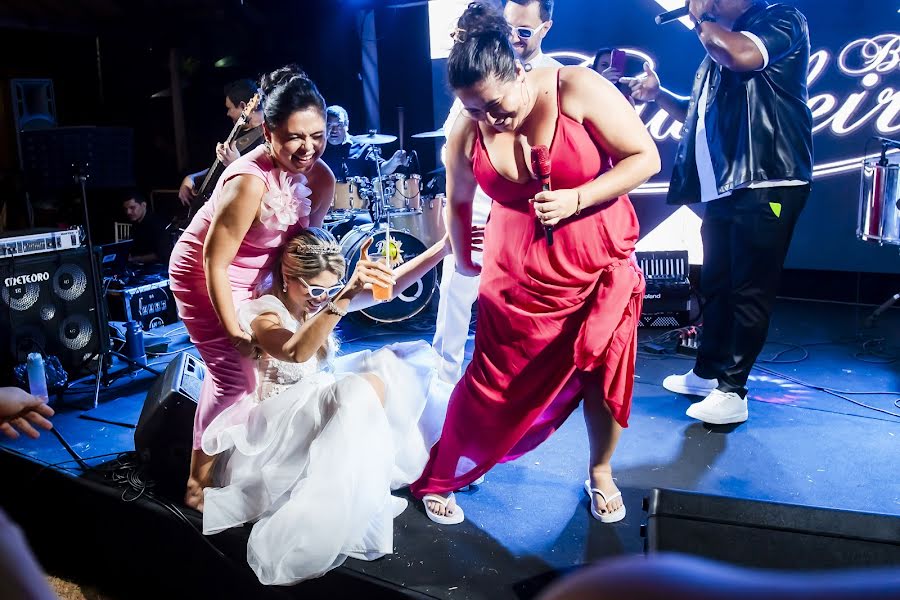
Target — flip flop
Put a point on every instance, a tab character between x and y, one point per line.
610	517
455	519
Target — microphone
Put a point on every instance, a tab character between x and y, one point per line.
887	141
870	321
540	163
672	15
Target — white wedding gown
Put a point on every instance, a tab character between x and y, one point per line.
311	459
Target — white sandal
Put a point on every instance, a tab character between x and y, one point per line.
609	517
453	519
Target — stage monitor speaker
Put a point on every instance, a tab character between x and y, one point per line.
34	104
164	434
47	304
768	534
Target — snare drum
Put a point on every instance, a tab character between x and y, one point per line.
406	192
352	194
879	204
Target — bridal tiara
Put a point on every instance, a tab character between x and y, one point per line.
319	249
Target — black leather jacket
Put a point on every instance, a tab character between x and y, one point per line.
758	124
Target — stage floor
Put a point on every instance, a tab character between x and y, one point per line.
529	521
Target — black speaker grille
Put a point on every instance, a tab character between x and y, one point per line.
48	305
69	282
21	297
76	332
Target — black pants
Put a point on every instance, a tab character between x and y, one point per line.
745	240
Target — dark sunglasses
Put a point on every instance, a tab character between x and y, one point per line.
317	290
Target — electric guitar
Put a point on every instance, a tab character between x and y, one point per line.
244	139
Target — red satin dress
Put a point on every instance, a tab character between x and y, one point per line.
550	318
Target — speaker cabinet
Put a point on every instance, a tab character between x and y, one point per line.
164	434
769	534
48	304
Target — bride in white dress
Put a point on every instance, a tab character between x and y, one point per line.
312	457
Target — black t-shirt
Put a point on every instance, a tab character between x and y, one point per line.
150	237
348	160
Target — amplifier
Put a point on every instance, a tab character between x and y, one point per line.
36	243
150	304
47	304
667	299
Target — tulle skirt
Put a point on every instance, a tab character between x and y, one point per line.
313	466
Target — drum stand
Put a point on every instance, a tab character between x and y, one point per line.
880	185
379	209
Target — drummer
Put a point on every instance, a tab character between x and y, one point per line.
348	158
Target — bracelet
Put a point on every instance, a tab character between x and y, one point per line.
332	307
578	202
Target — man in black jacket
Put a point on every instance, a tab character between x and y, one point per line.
746	151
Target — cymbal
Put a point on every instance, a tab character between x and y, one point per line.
373	138
438	171
430	134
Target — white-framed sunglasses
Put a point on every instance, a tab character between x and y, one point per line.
524	33
317	290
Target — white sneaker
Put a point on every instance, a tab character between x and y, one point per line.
690	384
720	408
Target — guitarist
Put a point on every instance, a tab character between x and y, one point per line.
237	95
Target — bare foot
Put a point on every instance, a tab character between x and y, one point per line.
602	479
193	498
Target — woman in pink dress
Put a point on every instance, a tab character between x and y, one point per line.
556	323
262	200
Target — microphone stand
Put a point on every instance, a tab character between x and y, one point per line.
102	374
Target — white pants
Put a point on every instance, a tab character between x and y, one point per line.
458	293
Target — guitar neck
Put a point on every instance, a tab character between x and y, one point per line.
206	188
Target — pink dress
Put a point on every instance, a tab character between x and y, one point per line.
284	213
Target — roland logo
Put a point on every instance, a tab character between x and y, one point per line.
23	279
653	296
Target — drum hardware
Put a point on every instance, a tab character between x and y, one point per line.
373	138
437	133
879	199
879	207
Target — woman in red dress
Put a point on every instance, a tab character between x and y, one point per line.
556	323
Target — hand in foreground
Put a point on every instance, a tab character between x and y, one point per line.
22	412
477	240
369	272
186	192
243	343
698	8
644	87
554	206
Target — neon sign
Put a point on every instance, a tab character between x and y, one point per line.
869	60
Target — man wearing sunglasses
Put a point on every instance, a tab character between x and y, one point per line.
530	20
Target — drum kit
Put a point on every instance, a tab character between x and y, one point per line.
392	211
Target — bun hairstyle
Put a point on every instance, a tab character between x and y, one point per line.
285	91
482	49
